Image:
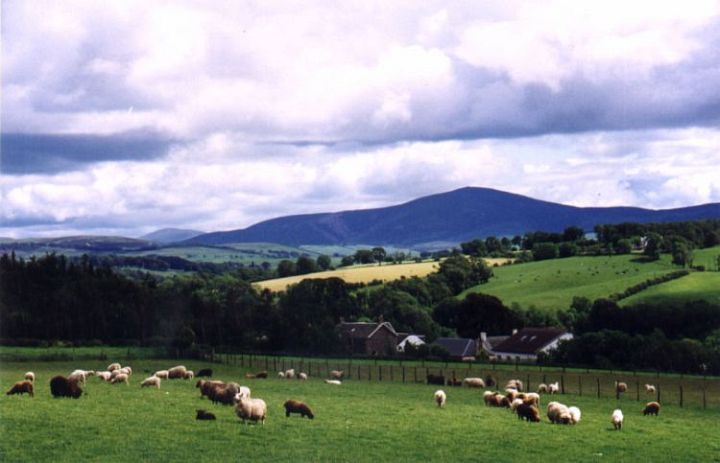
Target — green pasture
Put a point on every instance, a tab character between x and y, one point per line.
697	285
357	421
552	284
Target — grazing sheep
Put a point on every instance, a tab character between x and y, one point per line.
224	394
440	398
558	413
488	397
206	387
337	374
438	380
281	374
511	394
22	387
80	375
532	398
61	386
151	381
454	382
290	374
177	372
302	376
574	415
652	408
515	404
474	382
103	375
295	406
121	378
650	389
514	384
261	375
30	376
205	373
203	415
620	387
125	371
528	412
553	388
189	375
490	381
113	367
542	388
617	419
250	376
244	391
251	409
162	374
336	382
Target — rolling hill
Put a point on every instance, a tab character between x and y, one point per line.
444	219
170	235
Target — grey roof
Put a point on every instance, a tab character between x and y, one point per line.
458	347
529	340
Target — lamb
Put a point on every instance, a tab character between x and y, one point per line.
162	374
121	378
103	375
474	382
290	374
189	375
514	384
151	381
553	388
652	408
617	419
620	387
336	382
251	409
574	415
205	373
440	398
558	413
295	406
650	389
511	394
30	376
22	387
244	391
113	366
528	412
302	376
177	372
494	399
61	386
281	374
337	374
80	375
542	388
203	415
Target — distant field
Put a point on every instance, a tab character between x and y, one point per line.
358	421
698	285
551	284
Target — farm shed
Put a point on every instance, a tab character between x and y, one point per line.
368	338
527	343
412	339
459	348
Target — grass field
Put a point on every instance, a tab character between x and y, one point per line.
698	285
551	284
358	421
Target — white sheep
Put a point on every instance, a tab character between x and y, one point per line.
104	375
336	382
515	404
558	413
514	384
121	378
151	381
162	374
80	375
650	389
242	391
189	374
533	397
542	388
474	382
177	372
30	376
125	370
554	388
617	419
281	374
574	415
440	398
113	367
302	376
251	409
290	374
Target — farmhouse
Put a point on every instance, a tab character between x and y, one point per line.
527	343
368	338
459	348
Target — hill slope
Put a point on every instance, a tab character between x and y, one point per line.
170	235
451	217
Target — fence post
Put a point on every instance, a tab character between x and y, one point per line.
544	378
266	363
369	372
403	373
658	393
392	378
562	384
580	385
598	386
415	374
379	372
637	390
527	383
704	399
681	396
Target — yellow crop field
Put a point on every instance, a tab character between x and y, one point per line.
366	273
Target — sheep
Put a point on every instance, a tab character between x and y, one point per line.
542	388
528	412
189	375
336	382
650	389
177	372
244	391
511	394
205	373
103	375
151	381
574	415
495	399
488	397
81	375
30	376
207	386
651	408
295	406
532	398
617	419
558	413
290	374
514	384
553	388
113	366
22	387
121	378
61	386
224	394
162	374
281	374
440	398
203	415
438	380
125	371
251	409
620	388
474	382
515	403
337	374
261	375
490	381
302	376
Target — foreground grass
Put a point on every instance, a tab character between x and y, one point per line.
358	421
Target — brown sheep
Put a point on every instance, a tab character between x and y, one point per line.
207	386
22	387
337	374
528	412
203	415
261	375
620	387
295	406
652	408
224	394
60	386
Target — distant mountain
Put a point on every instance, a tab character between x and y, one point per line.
170	235
451	217
88	244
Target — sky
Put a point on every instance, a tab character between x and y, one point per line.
120	118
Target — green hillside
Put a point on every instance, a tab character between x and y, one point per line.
551	284
698	285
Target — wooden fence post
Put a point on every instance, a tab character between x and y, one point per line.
658	393
598	386
681	396
580	385
704	399
403	373
637	391
379	372
527	383
562	384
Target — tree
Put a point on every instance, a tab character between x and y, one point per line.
379	254
475	314
681	253
567	249
493	244
323	262
573	233
474	248
653	243
286	268
544	251
363	256
623	246
347	261
305	265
